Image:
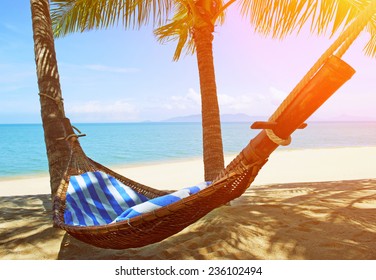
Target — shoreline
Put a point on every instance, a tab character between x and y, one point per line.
284	166
121	166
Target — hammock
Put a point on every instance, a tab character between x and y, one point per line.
184	207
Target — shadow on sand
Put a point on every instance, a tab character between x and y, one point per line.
329	220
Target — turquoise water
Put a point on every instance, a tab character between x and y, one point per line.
22	148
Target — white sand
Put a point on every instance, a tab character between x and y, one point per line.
285	166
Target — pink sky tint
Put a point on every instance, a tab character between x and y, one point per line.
282	63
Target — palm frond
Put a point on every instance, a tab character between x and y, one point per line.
280	18
370	48
70	16
219	11
186	14
178	29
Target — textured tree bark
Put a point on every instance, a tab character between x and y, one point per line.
52	110
211	125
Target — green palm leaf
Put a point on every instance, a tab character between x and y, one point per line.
280	18
277	18
70	16
179	29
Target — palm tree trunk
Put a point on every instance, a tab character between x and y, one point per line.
52	110
211	125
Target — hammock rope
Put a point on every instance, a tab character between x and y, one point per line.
279	141
58	99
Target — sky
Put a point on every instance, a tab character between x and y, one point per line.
127	76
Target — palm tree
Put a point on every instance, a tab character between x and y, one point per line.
197	19
192	25
52	110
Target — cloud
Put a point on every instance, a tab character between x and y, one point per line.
15	77
96	106
251	103
120	110
277	96
98	68
11	27
191	100
110	69
236	104
191	103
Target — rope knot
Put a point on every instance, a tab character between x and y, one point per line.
57	99
276	139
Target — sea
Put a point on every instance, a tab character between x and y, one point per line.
23	152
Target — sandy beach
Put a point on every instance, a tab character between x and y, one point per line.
305	204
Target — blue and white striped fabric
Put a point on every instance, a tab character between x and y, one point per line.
159	202
96	198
